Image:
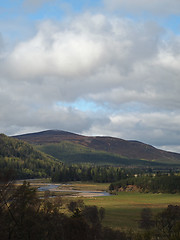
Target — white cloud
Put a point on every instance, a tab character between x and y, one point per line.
132	68
52	52
158	129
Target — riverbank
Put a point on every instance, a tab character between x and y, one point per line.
70	189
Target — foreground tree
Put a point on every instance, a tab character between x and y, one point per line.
168	222
146	221
23	216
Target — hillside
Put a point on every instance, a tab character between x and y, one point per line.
71	153
111	148
24	160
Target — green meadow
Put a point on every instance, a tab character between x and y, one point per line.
123	210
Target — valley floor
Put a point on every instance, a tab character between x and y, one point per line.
122	211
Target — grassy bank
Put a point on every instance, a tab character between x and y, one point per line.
123	210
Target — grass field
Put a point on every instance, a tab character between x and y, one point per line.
90	186
123	210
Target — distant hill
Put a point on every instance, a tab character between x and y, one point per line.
24	160
71	147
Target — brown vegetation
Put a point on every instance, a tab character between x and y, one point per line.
129	149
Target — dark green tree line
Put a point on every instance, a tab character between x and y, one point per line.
155	184
87	172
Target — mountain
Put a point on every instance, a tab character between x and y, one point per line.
24	160
66	145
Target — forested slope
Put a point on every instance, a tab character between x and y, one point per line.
73	153
24	160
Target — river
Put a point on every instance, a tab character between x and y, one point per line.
57	188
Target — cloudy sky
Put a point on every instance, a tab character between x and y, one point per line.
93	67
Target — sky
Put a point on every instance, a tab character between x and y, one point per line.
92	67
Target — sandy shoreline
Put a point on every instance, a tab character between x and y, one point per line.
67	189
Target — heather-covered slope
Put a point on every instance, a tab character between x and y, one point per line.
48	140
